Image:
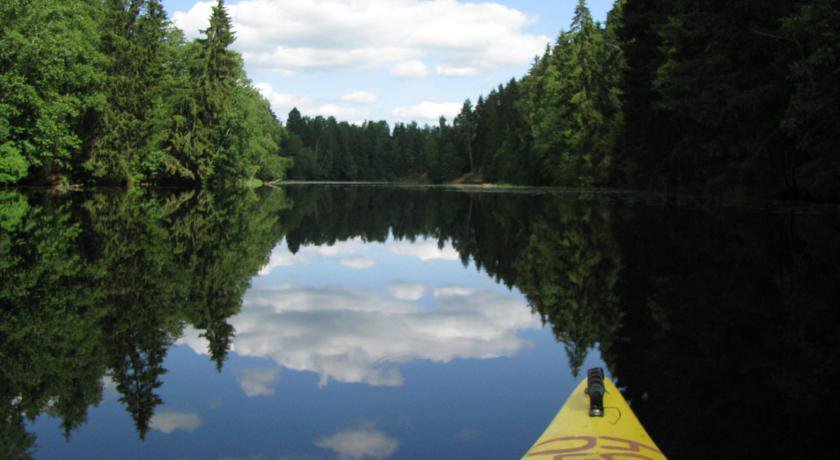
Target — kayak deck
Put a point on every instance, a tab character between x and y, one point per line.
574	434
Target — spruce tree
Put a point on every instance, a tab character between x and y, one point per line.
202	141
134	39
465	131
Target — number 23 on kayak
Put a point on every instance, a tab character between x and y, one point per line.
595	423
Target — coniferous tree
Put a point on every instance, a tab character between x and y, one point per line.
573	128
134	39
465	131
202	131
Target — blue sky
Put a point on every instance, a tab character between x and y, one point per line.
398	60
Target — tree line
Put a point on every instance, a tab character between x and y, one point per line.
711	97
680	96
110	92
555	126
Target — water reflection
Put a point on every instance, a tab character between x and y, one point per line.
359	336
688	306
358	443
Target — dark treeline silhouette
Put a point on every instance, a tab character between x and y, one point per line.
710	97
725	96
729	319
709	318
109	92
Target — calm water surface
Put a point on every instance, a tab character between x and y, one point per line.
374	322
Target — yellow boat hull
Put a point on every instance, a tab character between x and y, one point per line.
573	434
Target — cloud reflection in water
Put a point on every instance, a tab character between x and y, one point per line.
359	336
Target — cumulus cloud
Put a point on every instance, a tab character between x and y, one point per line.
454	71
360	97
407	291
283	103
360	443
428	110
257	381
358	263
358	336
453	291
290	36
169	422
410	69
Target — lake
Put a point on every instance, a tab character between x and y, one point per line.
339	321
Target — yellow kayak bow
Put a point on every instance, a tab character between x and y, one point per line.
595	423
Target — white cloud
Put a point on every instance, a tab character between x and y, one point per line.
424	250
257	381
283	103
428	110
407	291
453	291
360	97
359	263
454	71
410	69
169	422
358	336
290	36
360	443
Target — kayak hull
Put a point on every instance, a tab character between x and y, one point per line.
573	434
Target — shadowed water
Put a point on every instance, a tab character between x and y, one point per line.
381	322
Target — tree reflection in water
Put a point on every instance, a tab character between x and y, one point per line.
718	323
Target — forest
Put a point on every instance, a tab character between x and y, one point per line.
720	97
108	92
716	98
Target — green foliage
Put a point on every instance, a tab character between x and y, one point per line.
109	92
710	97
222	130
135	37
13	166
730	96
52	71
812	118
555	127
574	99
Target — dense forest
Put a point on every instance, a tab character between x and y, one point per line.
109	92
709	97
694	302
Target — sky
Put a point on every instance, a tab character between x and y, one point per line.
395	60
